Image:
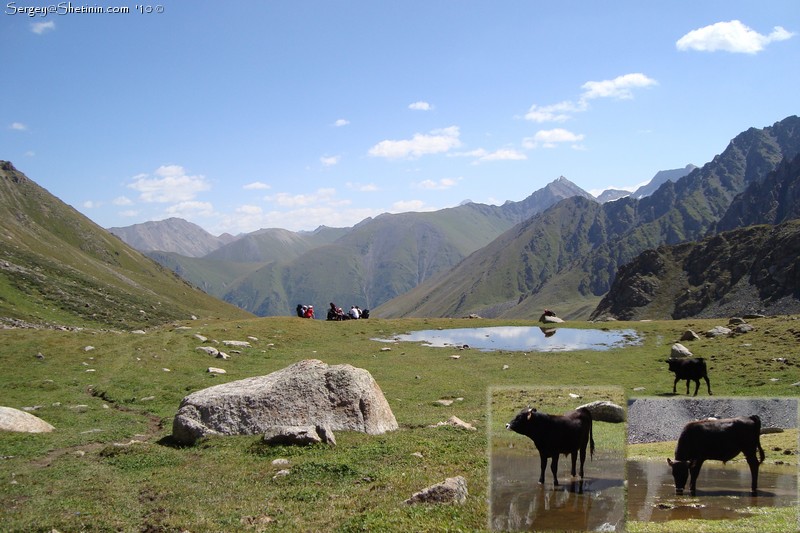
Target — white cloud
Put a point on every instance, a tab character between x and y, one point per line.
420	106
122	200
435	142
321	196
551	138
409	205
620	88
559	112
171	184
40	27
503	154
362	187
256	185
330	161
442	184
188	209
18	126
89	204
130	213
249	210
341	122
732	36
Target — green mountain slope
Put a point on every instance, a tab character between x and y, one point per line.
381	258
56	266
566	257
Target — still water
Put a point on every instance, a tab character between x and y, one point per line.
519	503
721	490
523	338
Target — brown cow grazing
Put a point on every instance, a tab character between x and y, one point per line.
556	434
717	440
691	370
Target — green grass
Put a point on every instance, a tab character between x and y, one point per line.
70	479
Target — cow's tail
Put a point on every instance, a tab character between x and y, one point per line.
757	420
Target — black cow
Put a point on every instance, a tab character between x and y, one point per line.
717	440
691	370
556	434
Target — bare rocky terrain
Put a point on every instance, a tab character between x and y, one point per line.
662	419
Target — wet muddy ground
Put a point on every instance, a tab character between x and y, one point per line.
519	503
722	490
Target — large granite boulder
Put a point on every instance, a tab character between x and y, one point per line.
15	420
310	392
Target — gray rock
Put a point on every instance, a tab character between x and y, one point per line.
735	321
210	350
603	411
689	335
451	490
309	392
292	435
743	328
15	420
718	331
678	350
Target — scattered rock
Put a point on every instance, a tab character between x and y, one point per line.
298	435
767	431
88	348
718	331
735	321
451	490
214	370
418	455
210	350
506	367
386	349
280	462
455	357
138	332
456	423
550	319
743	328
678	350
281	473
689	335
201	338
240	344
15	420
446	403
604	411
310	392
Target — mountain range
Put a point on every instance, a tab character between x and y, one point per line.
559	248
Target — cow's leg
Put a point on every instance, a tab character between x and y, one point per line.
675	385
708	384
696	386
752	462
554	469
543	467
574	457
583	459
687	387
694	471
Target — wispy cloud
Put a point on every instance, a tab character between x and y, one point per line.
437	185
732	36
256	185
435	142
329	161
551	138
122	200
341	122
325	196
362	187
40	27
18	126
190	209
171	183
619	88
420	106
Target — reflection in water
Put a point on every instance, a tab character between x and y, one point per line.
523	338
721	490
519	503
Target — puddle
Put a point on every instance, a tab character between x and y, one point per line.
721	491
519	503
522	338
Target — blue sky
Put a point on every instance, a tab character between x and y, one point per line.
245	115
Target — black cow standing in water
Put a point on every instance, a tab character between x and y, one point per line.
718	440
691	370
556	434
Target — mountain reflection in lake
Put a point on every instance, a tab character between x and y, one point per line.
519	503
523	338
722	491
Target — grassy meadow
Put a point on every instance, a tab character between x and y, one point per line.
110	465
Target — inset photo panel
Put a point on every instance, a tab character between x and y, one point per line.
556	458
721	464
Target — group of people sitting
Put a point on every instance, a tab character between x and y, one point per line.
337	313
334	313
